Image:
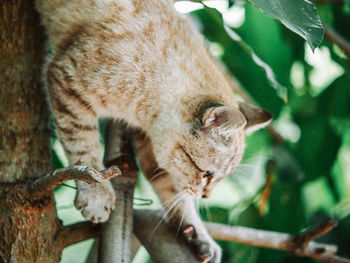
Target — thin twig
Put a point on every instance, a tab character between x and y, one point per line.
279	241
75	233
334	37
83	173
259	238
300	241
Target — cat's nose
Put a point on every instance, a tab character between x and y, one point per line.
205	196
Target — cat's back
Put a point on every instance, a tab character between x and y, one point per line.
139	51
62	18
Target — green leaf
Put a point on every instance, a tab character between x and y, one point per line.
300	16
334	101
318	147
270	75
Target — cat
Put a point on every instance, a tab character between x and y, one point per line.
141	61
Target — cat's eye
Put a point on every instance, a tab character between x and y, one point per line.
208	174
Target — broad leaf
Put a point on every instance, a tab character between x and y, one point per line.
300	16
270	75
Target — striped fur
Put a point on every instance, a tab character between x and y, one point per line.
140	61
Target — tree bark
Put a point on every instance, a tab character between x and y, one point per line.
24	130
115	244
27	226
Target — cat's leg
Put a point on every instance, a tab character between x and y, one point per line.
186	221
183	215
77	128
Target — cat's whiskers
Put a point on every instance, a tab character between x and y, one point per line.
156	169
245	169
179	197
196	203
242	165
207	210
165	203
238	175
179	226
156	175
254	158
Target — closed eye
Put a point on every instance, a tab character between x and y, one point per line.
191	160
208	174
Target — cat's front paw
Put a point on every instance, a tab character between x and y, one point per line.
204	247
95	201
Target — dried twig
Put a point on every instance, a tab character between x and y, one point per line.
83	173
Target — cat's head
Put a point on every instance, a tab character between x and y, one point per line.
210	146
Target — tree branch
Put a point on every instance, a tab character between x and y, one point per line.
161	241
42	185
281	241
334	37
164	245
115	244
300	241
93	255
162	248
75	233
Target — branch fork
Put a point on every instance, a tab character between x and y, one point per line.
298	243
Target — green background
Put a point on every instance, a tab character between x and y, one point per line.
309	171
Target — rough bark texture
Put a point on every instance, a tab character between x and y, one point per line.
115	244
27	226
24	133
160	240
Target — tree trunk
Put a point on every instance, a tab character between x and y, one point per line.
28	225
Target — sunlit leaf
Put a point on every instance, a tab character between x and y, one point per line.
300	16
270	75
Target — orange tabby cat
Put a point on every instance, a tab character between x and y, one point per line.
140	61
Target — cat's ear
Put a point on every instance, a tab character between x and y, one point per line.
257	118
224	118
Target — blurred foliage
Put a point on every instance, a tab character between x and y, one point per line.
310	175
311	178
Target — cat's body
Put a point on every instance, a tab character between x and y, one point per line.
140	61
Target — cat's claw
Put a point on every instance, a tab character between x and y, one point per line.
205	249
95	201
